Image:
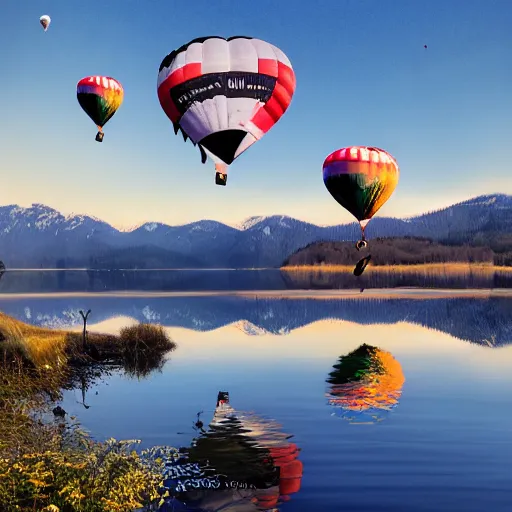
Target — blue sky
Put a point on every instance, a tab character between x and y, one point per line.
363	78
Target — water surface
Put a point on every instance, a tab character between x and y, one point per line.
445	445
44	281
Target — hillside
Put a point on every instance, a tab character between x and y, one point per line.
390	251
39	236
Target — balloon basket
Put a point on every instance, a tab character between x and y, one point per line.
221	178
99	137
362	244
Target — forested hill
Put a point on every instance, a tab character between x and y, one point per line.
395	251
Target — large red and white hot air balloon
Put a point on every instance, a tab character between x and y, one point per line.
225	94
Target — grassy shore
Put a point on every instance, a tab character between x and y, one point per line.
434	268
47	462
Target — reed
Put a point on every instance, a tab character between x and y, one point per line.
455	268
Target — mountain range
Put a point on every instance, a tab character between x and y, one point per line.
39	236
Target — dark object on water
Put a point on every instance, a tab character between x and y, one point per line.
59	411
424	46
99	137
361	265
222	398
221	179
199	424
93	352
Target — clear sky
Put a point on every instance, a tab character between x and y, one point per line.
363	78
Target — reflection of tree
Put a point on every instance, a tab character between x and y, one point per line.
365	384
2	269
133	358
241	462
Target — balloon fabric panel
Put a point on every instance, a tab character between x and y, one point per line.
225	93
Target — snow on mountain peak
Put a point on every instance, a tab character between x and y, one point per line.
151	226
266	222
497	200
250	222
250	329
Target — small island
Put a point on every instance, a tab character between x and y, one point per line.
407	253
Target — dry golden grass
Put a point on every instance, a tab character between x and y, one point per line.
454	269
38	345
135	345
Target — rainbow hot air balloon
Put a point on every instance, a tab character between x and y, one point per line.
365	385
100	97
225	94
361	179
45	21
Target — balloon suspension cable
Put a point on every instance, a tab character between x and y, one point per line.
99	135
221	174
362	244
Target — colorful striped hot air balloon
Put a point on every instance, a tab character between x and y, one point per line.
100	97
225	94
365	385
361	179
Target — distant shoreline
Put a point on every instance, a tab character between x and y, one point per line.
131	269
453	268
447	266
370	293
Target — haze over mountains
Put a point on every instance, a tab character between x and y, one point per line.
40	236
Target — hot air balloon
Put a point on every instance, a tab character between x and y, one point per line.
100	97
365	384
361	179
225	94
45	21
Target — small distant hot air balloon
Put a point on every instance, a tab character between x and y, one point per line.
361	179
100	97
225	94
45	21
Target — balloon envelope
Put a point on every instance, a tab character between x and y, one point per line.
45	21
225	94
100	97
361	179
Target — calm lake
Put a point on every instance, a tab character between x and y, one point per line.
425	426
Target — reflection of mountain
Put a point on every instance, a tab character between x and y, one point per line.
365	384
483	321
241	463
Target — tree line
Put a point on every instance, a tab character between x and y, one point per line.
396	251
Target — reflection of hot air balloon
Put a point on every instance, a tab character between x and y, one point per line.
365	384
241	463
361	179
225	94
100	97
45	21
